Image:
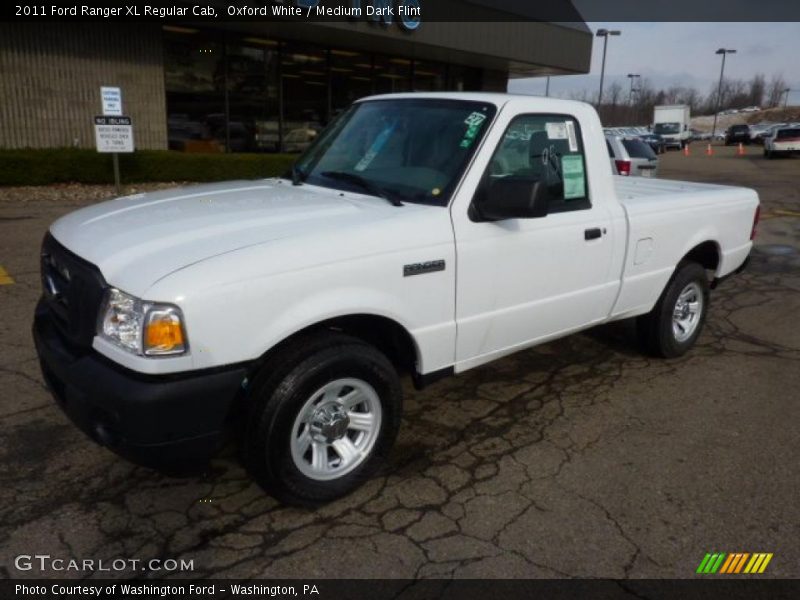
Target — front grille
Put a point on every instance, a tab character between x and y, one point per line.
73	291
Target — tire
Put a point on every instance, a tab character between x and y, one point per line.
660	332
302	443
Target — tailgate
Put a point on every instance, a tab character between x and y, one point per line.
646	168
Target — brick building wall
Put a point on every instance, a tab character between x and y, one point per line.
50	78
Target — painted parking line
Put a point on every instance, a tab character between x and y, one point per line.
5	278
786	213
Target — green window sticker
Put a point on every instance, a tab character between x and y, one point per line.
574	177
473	123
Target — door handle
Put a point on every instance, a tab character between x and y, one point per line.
592	234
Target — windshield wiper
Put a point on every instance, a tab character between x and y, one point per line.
364	184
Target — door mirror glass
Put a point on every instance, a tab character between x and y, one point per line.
513	197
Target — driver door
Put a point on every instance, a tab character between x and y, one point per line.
525	280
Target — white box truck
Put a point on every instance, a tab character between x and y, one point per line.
672	122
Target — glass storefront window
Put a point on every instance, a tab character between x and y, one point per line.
229	92
463	79
429	77
392	74
194	66
351	78
304	77
253	102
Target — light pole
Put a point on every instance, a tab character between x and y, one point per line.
547	87
632	77
786	99
723	52
604	33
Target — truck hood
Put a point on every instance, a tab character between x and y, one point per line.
137	240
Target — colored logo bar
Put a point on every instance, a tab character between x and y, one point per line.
734	563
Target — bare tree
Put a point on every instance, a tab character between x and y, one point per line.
775	90
735	93
582	96
758	86
614	93
693	98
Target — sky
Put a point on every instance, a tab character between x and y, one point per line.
683	54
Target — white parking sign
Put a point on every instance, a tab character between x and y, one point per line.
113	134
112	101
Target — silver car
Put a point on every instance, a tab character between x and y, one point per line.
631	156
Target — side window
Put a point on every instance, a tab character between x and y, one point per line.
545	148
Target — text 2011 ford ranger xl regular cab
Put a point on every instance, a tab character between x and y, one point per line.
421	233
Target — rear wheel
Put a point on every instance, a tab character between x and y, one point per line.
674	324
323	417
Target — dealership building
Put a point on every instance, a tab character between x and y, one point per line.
257	86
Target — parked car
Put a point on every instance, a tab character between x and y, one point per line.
280	313
631	156
783	141
737	134
298	140
766	132
655	141
756	130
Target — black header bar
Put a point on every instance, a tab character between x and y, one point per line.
409	14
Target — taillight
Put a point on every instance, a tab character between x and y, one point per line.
623	167
756	218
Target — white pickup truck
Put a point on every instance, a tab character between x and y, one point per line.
421	234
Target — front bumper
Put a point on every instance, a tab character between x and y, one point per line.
156	421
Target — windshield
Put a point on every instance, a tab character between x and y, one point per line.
411	150
662	128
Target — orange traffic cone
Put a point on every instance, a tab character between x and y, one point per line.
740	151
686	150
709	151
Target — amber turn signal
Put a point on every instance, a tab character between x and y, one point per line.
163	332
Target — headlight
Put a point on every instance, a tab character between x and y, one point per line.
144	328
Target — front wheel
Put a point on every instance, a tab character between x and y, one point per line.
674	324
322	419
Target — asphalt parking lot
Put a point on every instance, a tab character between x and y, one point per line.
580	458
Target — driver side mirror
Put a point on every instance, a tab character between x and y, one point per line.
512	198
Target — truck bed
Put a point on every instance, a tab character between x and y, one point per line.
659	212
633	190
